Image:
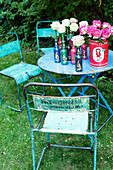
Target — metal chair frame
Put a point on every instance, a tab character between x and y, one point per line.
24	68
54	107
46	32
43	32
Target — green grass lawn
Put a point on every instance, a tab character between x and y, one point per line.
15	139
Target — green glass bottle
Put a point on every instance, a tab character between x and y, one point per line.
63	54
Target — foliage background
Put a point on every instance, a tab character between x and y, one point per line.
21	16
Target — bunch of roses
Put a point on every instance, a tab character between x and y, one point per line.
66	26
97	30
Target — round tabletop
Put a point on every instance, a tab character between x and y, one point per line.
47	63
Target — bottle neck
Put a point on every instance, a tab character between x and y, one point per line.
73	45
78	50
59	42
63	44
56	42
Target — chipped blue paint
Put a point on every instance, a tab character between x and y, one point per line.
20	72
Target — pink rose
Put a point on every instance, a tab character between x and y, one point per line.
105	33
90	30
111	29
106	25
97	33
97	23
83	30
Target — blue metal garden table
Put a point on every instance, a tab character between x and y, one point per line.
47	63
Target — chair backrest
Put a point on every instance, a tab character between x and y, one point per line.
63	104
11	46
43	30
45	103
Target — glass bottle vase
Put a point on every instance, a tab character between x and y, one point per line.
78	61
84	51
56	53
73	54
68	50
63	54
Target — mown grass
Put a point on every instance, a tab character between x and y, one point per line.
15	138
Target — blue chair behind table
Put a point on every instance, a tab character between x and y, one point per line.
76	115
20	72
43	31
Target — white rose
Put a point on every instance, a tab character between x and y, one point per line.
73	20
83	23
66	22
74	27
55	25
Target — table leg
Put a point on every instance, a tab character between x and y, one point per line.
93	80
105	102
55	83
74	89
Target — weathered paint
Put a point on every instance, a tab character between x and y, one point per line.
45	103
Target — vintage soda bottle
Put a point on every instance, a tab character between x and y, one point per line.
63	54
56	53
68	51
78	61
60	42
84	51
73	54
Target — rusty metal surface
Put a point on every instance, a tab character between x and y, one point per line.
47	63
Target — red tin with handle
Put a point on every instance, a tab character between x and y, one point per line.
98	53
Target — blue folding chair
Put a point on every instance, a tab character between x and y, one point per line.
20	72
43	31
75	115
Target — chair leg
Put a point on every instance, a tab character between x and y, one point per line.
95	150
92	143
19	98
48	141
0	98
33	149
43	82
18	110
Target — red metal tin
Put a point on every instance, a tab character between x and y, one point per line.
98	53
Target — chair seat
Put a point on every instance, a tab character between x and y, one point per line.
66	122
47	50
21	72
